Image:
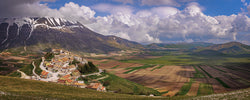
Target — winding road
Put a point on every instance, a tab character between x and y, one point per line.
23	75
100	71
34	70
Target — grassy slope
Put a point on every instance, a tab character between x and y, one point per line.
121	85
27	69
29	89
205	89
37	63
234	95
20	89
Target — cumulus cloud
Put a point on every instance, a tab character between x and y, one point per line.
12	8
75	12
166	24
164	12
158	24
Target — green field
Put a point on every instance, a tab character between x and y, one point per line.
222	83
189	59
115	67
120	85
198	74
185	88
159	67
205	89
210	76
131	69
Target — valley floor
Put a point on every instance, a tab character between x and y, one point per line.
172	80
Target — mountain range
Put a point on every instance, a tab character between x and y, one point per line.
36	33
39	33
230	48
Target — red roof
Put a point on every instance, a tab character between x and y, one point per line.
69	80
44	73
94	85
50	66
60	81
66	76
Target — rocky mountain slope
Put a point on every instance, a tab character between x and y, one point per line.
44	32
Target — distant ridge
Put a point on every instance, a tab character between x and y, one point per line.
179	45
228	48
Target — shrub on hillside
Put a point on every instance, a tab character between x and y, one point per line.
49	56
87	68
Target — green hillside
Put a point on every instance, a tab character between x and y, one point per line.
16	88
21	89
228	48
180	45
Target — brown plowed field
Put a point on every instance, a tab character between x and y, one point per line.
230	78
194	89
169	78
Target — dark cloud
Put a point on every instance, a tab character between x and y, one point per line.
18	8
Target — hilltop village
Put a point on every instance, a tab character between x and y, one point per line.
63	67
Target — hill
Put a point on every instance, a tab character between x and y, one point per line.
179	45
208	53
16	88
234	48
20	89
38	33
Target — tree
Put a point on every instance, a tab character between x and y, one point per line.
87	68
49	56
75	62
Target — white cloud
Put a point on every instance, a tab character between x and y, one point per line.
166	24
164	12
75	12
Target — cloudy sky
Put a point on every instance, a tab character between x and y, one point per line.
147	21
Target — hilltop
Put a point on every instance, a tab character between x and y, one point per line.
232	48
179	45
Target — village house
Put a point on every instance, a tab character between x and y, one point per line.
76	73
79	84
97	86
45	74
67	73
50	67
68	82
57	51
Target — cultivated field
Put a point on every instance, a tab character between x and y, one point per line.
174	80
